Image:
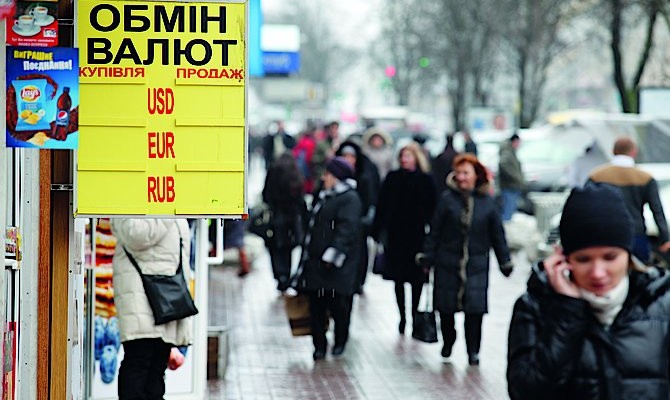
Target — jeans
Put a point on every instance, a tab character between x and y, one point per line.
641	248
510	198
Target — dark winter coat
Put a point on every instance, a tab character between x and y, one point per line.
442	167
510	174
331	253
462	277
367	180
269	146
558	350
405	206
283	192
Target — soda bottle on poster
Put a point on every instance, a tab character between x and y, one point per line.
63	105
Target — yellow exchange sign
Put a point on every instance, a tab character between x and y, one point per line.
163	105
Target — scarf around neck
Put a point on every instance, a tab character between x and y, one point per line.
606	307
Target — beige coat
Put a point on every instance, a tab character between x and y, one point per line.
154	243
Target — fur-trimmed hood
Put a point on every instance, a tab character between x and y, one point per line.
370	132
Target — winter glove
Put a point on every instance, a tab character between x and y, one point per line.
506	269
327	265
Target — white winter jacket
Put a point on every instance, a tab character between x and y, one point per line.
154	243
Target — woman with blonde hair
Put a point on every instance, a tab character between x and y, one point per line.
404	207
465	226
593	324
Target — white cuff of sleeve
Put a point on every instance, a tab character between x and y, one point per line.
334	256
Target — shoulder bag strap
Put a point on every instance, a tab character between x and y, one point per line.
181	248
132	261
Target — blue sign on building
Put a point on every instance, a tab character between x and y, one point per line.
255	53
275	62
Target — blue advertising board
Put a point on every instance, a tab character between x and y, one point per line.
42	96
255	54
281	62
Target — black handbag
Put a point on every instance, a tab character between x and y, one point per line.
379	263
168	295
260	222
424	324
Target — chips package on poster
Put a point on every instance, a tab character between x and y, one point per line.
31	104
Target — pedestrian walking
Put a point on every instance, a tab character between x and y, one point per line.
638	188
331	256
511	179
233	238
283	193
443	165
465	226
378	147
325	148
276	143
159	247
470	145
303	153
404	208
367	186
594	323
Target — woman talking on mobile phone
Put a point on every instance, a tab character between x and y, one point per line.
594	323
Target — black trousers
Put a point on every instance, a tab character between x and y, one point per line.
400	297
473	331
339	307
280	258
142	371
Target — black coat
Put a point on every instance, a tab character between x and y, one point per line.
405	206
268	144
442	167
283	192
445	244
558	350
335	223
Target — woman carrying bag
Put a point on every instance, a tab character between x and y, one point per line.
406	203
155	246
465	226
283	193
331	256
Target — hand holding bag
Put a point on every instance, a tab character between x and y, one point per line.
380	260
260	222
297	308
168	295
425	326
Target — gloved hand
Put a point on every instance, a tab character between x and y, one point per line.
507	268
327	265
422	260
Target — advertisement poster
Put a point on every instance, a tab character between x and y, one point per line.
42	97
34	24
108	350
168	79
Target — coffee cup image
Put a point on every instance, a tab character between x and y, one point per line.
25	22
39	13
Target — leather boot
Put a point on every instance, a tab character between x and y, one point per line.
245	268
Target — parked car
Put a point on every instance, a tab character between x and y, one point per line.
660	172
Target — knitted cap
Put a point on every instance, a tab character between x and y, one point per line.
340	168
595	216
